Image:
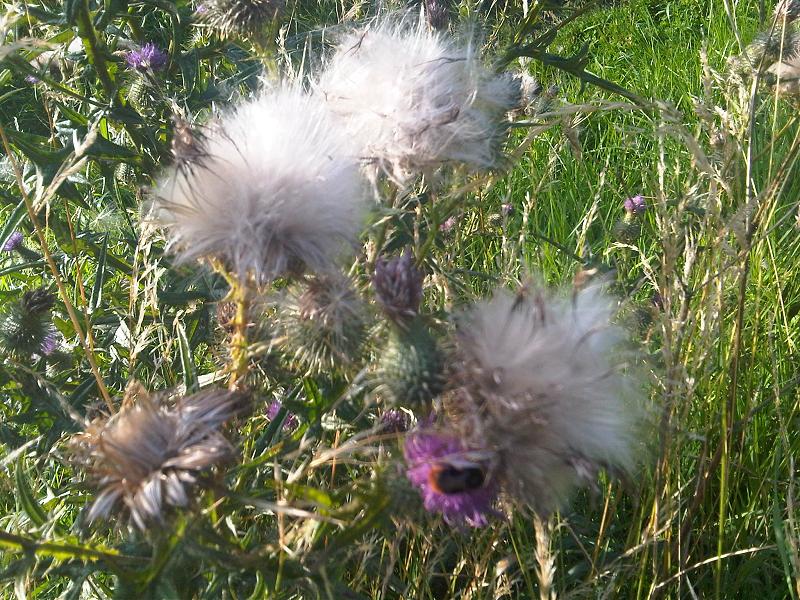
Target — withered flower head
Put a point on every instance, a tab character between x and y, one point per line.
147	457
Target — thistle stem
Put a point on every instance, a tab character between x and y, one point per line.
238	344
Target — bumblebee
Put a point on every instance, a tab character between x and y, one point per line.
447	478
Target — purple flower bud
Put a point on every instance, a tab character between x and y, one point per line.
450	481
13	242
394	420
147	58
398	286
448	224
635	205
49	344
289	423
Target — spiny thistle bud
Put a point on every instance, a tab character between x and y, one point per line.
398	286
239	17
394	420
787	9
410	369
627	229
437	13
13	242
321	324
26	327
226	313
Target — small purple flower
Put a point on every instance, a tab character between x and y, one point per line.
49	344
147	58
394	420
289	423
398	286
428	455
13	242
32	79
507	209
448	224
635	205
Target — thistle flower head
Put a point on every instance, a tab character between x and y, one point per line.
415	99
290	420
26	325
321	324
398	286
147	58
448	224
279	190
635	205
239	17
453	481
541	383
13	242
394	420
147	457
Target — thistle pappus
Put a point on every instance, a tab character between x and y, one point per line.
416	99
542	378
277	191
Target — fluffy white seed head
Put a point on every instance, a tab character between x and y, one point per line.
274	187
543	380
416	99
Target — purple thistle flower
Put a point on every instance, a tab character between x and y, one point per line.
49	344
635	205
147	58
429	454
289	423
13	242
448	224
393	420
398	286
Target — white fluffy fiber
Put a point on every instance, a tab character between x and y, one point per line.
545	385
416	99
279	189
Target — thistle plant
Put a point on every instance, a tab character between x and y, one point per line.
307	244
26	326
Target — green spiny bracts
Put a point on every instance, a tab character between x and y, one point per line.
26	326
239	17
321	324
410	371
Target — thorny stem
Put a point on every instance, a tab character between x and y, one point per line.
239	358
62	290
